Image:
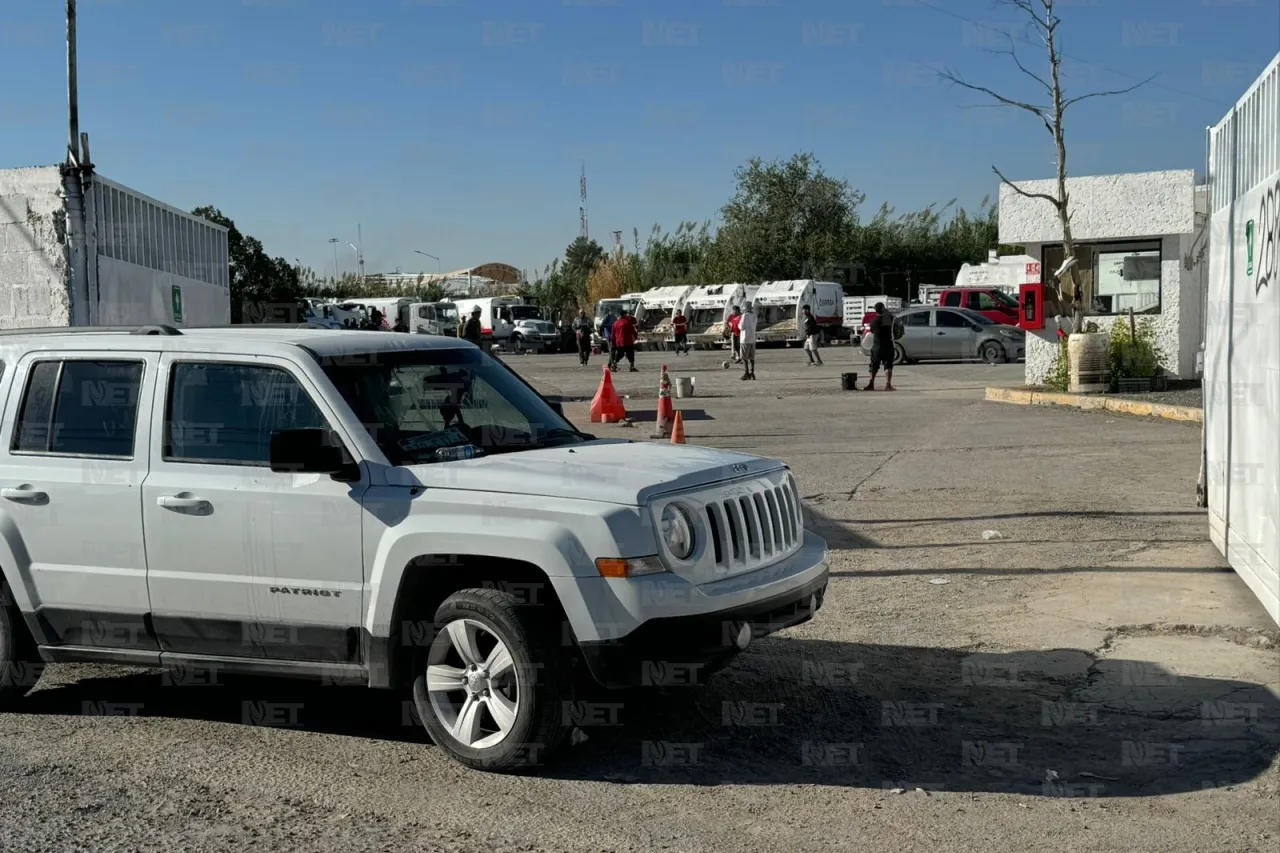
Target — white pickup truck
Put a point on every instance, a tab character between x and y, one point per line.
397	511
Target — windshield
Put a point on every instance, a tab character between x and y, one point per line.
526	312
1004	299
448	312
418	401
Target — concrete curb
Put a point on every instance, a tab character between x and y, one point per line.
1095	402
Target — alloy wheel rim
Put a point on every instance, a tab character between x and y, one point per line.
472	684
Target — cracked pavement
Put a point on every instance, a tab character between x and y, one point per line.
1093	679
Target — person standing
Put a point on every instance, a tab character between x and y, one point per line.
471	330
582	328
881	348
624	340
747	333
732	330
606	334
811	338
680	328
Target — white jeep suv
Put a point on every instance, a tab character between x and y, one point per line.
398	511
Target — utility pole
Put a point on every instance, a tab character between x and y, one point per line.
73	94
360	250
582	211
334	242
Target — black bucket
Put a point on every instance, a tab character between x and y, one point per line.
849	381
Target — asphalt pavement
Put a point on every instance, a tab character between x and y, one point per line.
1028	645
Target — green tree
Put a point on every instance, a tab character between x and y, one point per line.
786	219
256	278
581	257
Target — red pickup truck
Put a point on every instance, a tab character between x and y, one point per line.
990	302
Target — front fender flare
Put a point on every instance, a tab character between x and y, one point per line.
551	547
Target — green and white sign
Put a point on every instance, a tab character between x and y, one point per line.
1249	231
177	304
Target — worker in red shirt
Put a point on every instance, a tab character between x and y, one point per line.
680	328
733	330
624	341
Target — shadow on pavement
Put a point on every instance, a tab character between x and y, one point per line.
1041	723
1047	723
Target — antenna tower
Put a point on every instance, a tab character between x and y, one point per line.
582	211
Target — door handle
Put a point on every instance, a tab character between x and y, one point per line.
941	333
23	493
182	502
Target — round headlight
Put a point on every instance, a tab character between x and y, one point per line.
677	531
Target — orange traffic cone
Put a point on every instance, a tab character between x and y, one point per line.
677	429
606	406
666	409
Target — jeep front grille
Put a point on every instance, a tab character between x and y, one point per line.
754	529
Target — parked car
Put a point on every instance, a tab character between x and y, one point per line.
391	511
953	334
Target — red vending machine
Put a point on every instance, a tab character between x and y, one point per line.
1031	310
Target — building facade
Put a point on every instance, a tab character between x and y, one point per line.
1139	242
128	260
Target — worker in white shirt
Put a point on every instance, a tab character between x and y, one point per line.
747	333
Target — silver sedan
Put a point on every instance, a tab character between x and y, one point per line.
952	334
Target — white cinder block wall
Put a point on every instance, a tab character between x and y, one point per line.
1118	208
33	259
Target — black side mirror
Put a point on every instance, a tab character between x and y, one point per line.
557	408
310	451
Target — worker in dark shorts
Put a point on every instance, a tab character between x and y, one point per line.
881	348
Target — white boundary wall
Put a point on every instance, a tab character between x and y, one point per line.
1242	339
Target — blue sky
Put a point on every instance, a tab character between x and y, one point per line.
458	127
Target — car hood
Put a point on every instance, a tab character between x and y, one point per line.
612	471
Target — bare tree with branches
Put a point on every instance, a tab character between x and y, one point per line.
1043	25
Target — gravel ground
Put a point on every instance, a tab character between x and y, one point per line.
1190	397
1015	654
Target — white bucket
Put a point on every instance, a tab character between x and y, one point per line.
684	386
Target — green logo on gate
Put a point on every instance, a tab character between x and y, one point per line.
1249	231
177	304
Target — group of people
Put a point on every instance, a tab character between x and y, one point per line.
620	335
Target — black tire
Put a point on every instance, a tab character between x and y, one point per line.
992	353
899	354
20	664
532	637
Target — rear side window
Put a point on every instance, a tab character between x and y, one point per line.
80	408
919	318
952	299
225	413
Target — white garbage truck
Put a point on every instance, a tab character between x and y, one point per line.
654	313
708	308
780	306
1240	470
77	249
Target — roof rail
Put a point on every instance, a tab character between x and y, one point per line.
156	329
67	330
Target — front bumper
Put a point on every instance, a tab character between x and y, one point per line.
674	651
